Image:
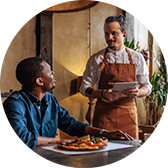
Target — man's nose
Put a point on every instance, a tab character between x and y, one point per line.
111	36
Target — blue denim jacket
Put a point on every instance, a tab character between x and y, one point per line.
31	117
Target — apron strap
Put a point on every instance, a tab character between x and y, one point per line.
105	60
129	55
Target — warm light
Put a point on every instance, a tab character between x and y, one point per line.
75	64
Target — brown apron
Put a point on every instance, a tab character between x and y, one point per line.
120	114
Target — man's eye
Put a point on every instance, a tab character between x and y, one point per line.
107	34
113	33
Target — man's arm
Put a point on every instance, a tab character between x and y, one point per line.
15	112
48	140
108	94
143	91
118	134
88	131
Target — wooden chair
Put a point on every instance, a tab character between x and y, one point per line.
145	129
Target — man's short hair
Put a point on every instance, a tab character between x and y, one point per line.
28	70
119	18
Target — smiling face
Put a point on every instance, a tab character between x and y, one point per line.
47	78
113	35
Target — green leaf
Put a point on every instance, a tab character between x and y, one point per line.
132	43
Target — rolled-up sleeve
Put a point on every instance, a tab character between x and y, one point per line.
90	75
142	73
15	112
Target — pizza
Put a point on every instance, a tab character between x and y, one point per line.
86	143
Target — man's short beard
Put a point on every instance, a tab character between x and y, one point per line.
112	47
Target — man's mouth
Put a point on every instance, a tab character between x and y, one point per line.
110	41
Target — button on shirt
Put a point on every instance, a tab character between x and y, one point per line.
31	117
91	75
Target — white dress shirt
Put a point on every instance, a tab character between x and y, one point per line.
91	75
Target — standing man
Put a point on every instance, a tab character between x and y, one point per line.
35	114
116	63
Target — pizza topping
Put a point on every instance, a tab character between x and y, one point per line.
96	139
90	143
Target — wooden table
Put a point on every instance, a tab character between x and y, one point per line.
89	160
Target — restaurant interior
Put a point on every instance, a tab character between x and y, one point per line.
66	35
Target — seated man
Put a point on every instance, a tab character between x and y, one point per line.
35	114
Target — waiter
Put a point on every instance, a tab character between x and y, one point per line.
116	63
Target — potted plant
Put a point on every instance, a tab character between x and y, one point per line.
158	96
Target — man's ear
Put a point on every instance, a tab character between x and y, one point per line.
124	32
39	81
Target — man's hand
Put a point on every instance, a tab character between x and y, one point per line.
113	135
110	95
48	140
118	135
57	140
132	93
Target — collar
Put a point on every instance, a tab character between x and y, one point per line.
116	52
33	98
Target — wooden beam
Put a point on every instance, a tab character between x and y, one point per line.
150	43
37	35
44	36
